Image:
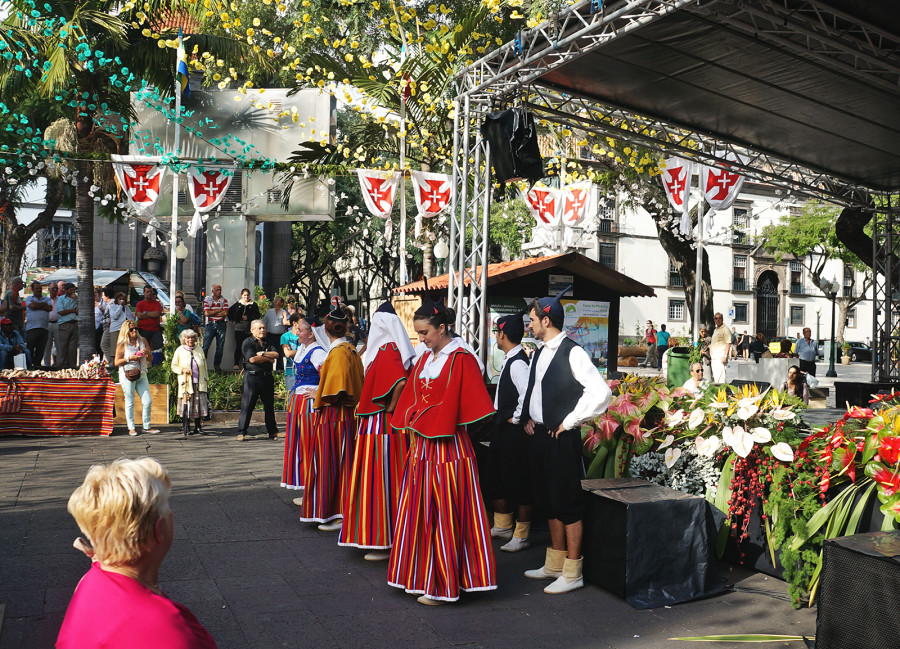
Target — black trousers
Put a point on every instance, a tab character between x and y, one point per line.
556	472
258	386
807	366
510	475
239	338
36	341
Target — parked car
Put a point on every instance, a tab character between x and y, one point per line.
860	352
775	345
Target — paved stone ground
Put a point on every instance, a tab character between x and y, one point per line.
258	578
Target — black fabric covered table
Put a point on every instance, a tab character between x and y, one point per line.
651	545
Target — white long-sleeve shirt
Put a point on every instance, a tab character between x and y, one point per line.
518	373
595	398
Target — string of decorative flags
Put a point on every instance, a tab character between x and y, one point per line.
141	177
551	206
379	188
720	187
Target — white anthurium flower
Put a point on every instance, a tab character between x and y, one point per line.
782	414
718	404
742	443
672	455
674	418
783	452
761	435
748	401
667	442
746	411
707	447
728	435
696	418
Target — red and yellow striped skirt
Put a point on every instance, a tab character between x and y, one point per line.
300	420
373	494
326	464
442	540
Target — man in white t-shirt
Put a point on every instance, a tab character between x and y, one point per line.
37	322
719	349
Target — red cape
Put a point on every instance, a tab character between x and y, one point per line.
383	374
455	398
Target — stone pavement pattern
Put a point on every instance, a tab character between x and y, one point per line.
258	578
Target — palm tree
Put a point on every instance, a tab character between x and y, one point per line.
88	55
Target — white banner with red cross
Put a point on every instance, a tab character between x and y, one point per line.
676	180
432	192
573	203
140	178
544	204
207	188
379	189
720	187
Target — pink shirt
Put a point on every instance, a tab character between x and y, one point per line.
112	611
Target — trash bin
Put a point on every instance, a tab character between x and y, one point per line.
679	366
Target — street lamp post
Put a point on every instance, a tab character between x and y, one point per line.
441	252
831	292
181	253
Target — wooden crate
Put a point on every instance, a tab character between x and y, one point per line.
159	411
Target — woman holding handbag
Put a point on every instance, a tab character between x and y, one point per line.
189	364
133	357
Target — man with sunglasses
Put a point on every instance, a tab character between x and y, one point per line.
696	384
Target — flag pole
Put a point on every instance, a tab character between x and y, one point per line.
173	242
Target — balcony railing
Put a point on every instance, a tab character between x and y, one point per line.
608	260
740	238
739	284
675	280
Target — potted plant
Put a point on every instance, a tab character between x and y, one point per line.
845	359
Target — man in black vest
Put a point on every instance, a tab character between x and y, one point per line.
564	391
509	442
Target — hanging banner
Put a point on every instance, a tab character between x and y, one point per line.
676	180
207	189
720	187
379	189
544	204
574	200
140	178
432	192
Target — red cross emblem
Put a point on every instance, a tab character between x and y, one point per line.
433	198
208	186
574	205
676	184
719	184
382	197
142	188
544	203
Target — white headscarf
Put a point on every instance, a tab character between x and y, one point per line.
387	328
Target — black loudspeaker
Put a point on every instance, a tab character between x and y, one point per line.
859	593
514	147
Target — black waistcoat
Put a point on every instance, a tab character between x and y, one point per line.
560	390
507	394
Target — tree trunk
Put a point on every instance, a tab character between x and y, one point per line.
84	258
17	236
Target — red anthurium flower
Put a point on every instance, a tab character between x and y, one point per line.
603	432
888	481
843	461
889	450
860	413
625	408
646	399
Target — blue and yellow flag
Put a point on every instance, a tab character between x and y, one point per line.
181	70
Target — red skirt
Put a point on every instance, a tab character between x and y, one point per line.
442	540
327	462
373	494
300	420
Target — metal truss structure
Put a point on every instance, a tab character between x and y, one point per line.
512	75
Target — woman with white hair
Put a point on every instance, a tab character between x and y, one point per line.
189	364
123	509
373	492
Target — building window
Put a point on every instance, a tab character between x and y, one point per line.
676	310
674	277
740	312
740	220
796	315
740	273
848	282
608	255
606	210
796	278
851	318
58	246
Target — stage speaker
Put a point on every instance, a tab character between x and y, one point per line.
514	147
859	593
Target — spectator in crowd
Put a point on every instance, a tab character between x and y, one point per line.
759	347
184	315
719	349
11	344
784	349
796	384
51	349
215	308
37	324
276	321
101	317
133	357
242	313
696	383
650	340
292	308
119	312
149	312
662	344
290	343
67	309
189	364
807	351
355	333
61	286
744	345
259	358
123	509
13	304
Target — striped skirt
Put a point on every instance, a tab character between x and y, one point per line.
370	504
300	419
327	463
442	540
